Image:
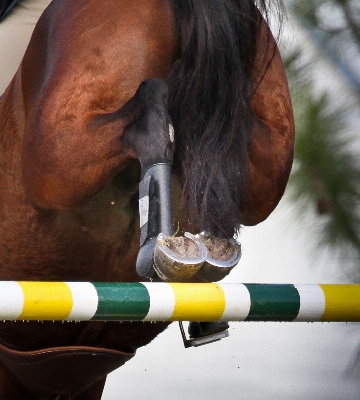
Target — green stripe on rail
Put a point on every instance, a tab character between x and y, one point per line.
273	302
121	302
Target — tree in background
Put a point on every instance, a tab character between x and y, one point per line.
326	176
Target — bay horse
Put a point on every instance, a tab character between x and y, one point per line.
88	110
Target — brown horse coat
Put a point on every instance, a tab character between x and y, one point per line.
68	183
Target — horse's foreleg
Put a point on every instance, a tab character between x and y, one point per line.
151	138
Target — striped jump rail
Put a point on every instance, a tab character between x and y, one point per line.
84	301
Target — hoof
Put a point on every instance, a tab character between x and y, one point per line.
223	255
178	259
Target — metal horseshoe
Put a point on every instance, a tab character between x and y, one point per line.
172	266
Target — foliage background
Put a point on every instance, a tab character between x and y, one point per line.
324	188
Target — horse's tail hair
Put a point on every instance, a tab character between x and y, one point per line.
210	88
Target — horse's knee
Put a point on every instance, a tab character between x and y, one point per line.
150	136
154	89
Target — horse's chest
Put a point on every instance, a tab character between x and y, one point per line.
95	241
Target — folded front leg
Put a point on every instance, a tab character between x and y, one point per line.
150	136
151	139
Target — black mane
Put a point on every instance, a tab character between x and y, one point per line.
210	88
